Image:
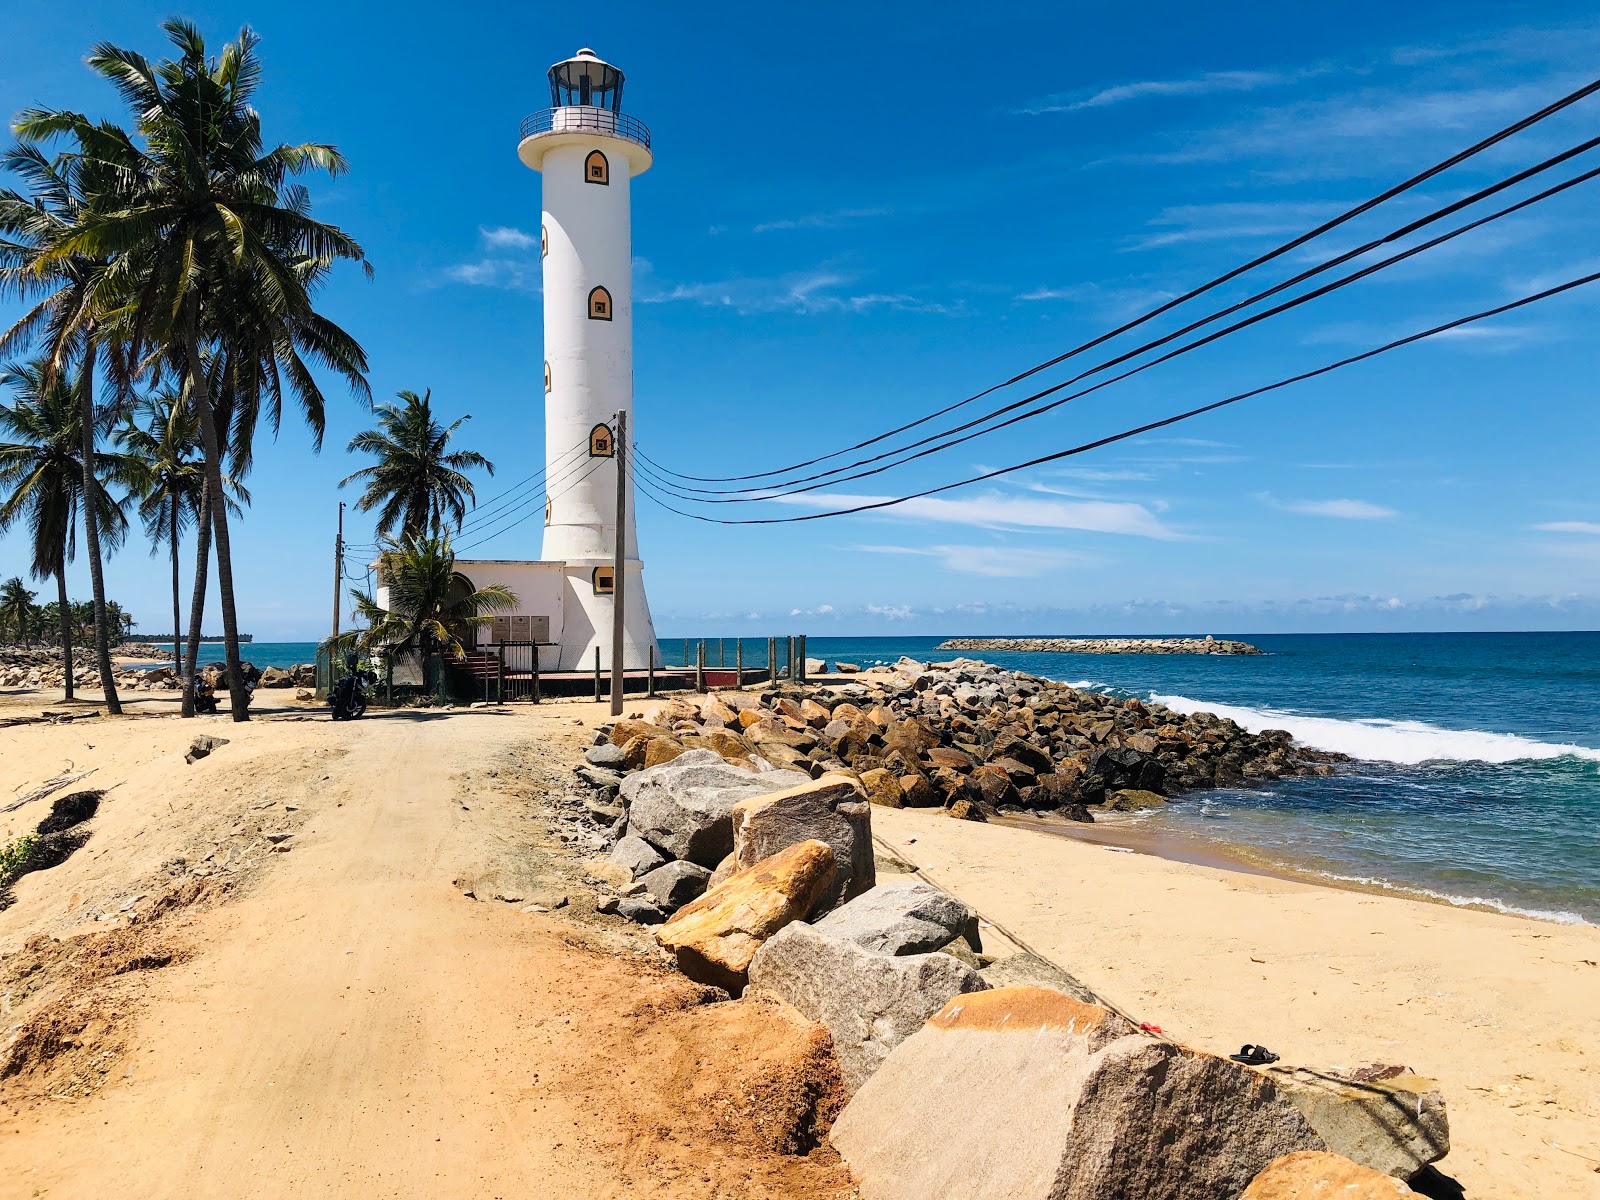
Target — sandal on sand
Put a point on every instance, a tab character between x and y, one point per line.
1254	1056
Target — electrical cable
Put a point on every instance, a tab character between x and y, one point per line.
527	516
493	507
789	486
1265	314
1498	310
481	528
1327	226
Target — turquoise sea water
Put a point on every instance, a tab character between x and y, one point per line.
1479	772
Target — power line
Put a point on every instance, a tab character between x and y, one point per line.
834	476
533	512
1343	218
480	515
1262	316
1153	425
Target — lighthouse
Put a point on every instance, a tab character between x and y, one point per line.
588	151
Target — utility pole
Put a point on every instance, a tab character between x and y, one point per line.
338	576
618	656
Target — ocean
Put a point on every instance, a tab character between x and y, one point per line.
1479	774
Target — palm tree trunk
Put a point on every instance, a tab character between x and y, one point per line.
200	396
197	605
177	616
91	530
66	626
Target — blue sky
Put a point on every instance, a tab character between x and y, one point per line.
861	212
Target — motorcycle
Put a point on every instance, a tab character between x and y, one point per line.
349	696
205	696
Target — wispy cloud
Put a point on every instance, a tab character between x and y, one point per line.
822	220
818	291
996	511
1209	84
508	260
500	237
1349	510
1232	221
1589	528
1006	562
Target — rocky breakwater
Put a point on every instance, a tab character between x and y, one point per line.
970	738
40	668
1205	645
772	885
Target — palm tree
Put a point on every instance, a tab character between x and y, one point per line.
17	609
416	483
171	483
69	316
41	477
216	238
427	609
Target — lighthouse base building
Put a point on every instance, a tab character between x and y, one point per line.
587	151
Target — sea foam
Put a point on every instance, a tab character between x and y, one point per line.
1380	740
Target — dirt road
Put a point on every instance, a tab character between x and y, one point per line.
348	1023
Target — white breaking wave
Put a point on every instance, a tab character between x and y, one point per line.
1406	742
1556	915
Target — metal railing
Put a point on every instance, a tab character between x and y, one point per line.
584	119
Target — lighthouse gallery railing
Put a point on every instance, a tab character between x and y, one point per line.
577	119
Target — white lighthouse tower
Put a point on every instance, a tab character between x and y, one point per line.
588	152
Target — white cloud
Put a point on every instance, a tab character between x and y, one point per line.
995	511
503	237
895	612
1211	83
817	291
822	220
1007	562
509	261
1233	221
1583	527
1349	510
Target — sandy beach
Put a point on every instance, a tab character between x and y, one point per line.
1504	1012
342	1020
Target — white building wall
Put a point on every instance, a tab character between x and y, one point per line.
588	243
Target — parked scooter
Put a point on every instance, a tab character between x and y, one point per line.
349	696
205	696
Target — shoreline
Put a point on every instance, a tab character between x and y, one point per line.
1168	845
1497	1008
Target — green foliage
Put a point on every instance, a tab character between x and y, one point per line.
416	484
430	607
12	855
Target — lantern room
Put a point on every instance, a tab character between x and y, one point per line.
584	81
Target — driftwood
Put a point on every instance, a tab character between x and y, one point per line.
49	787
47	718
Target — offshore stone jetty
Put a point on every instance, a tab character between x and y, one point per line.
1205	645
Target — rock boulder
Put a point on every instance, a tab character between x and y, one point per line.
870	1002
900	917
831	809
1386	1118
682	807
716	936
1319	1175
1073	1108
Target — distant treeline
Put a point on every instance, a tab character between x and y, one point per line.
167	637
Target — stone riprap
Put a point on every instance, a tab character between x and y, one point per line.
907	916
870	1002
1205	645
1072	1108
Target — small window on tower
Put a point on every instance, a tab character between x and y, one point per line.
547	378
544	242
596	169
548	507
605	581
600	443
599	305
